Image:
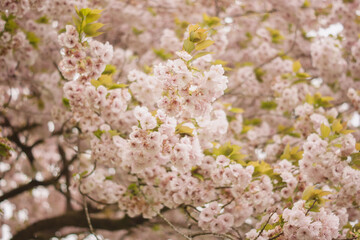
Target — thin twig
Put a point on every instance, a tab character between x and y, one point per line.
307	212
267	222
163	217
237	232
228	203
192	207
88	219
189	215
225	236
248	13
276	236
282	54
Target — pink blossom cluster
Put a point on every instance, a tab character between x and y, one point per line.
212	219
224	144
145	88
93	106
189	94
300	225
80	62
327	58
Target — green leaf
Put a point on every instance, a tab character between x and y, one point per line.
118	85
66	102
302	75
299	81
109	177
198	176
195	36
310	193
10	25
40	104
91	29
84	12
133	189
113	133
109	69
78	24
231	151
319	101
259	72
200	54
355	160
253	121
152	11
42	20
137	31
204	44
269	105
156	227
33	39
238	157
236	110
161	53
93	16
5	148
83	174
211	21
296	66
276	37
184	130
336	126
292	154
306	4
325	131
188	46
107	81
193	28
286	154
98	133
261	168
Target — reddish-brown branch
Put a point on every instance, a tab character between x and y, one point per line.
76	219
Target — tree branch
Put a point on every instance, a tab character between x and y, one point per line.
267	222
76	219
35	183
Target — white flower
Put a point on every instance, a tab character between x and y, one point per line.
184	55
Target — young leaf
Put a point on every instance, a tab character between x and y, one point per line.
193	28
33	39
204	44
109	69
161	53
188	46
310	193
66	102
184	130
236	110
117	85
84	12
302	75
337	126
325	131
200	54
137	31
43	20
98	133
92	16
296	66
269	105
91	29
